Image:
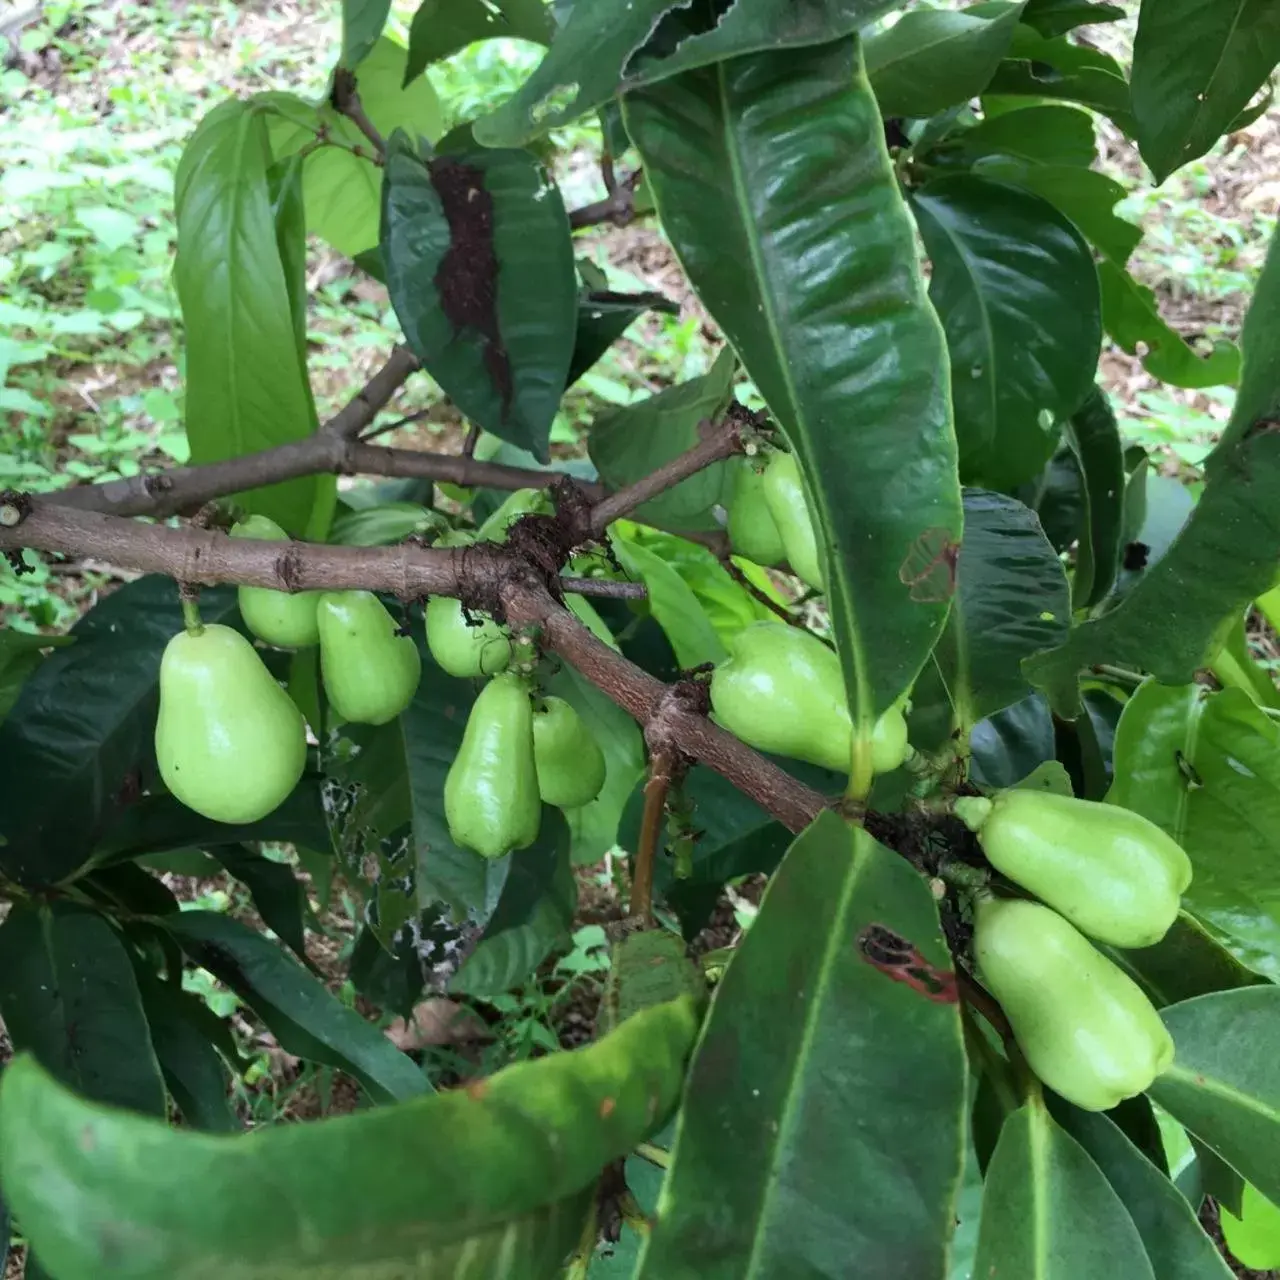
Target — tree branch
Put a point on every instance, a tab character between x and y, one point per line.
346	100
618	207
360	412
478	574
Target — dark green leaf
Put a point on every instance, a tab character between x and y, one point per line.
79	744
1176	1244
441	27
394	978
159	823
1044	135
1057	17
1224	1084
1015	286
1058	498
932	59
1131	316
20	655
1047	1211
1009	745
195	1074
129	886
288	211
1206	768
380	526
628	443
597	51
1095	439
275	890
480	271
1195	67
603	318
772	180
844	959
304	1018
1012	600
534	914
68	995
362	23
493	1180
246	386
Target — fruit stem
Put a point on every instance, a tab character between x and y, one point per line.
973	811
191	612
861	772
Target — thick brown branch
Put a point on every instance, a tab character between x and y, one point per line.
718	442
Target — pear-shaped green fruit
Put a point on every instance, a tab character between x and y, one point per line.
229	741
466	649
889	745
570	763
1112	873
491	799
752	531
1085	1027
784	493
370	671
782	691
285	620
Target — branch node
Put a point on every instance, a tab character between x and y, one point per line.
15	507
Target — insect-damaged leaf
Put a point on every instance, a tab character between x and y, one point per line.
479	265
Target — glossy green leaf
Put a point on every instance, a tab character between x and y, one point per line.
1014	284
628	443
533	915
599	51
844	958
603	318
1254	1236
932	59
594	827
68	995
441	27
1206	768
20	655
80	738
1224	1084
194	1072
772	180
276	892
1160	507
246	386
1057	17
1175	619
1195	68
1095	439
1176	1245
1062	136
304	1018
362	23
488	301
1131	317
380	526
1006	747
1012	600
1235	667
673	603
490	1180
1048	1213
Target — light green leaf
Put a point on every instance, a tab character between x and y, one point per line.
845	957
1196	66
1224	1084
932	59
1254	1237
772	180
362	23
441	27
1049	135
1015	286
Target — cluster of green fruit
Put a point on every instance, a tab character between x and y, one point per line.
769	520
1085	1028
782	690
231	744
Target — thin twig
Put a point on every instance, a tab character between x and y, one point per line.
469	444
652	822
763	596
618	207
346	100
604	588
387	427
366	404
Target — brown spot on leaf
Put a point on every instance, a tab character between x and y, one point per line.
929	567
898	959
477	1090
607	1107
467	278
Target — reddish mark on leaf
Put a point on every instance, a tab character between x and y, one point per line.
929	568
478	1090
895	957
87	1140
130	790
607	1107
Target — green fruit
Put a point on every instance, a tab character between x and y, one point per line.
1112	873
285	620
491	798
1085	1028
229	741
889	745
784	493
463	648
522	502
370	671
570	763
752	531
782	691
